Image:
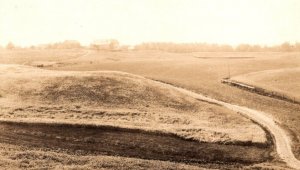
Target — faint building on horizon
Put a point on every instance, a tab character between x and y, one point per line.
107	44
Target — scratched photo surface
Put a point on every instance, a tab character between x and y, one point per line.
149	84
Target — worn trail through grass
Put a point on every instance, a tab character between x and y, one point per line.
281	139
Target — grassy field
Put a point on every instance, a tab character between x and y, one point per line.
20	157
203	75
119	99
34	57
200	72
87	140
283	81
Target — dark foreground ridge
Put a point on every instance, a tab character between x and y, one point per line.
114	141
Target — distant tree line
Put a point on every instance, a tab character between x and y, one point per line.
205	47
114	45
110	44
105	45
68	44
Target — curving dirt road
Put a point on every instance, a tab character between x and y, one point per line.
282	141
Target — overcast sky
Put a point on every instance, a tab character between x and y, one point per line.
27	22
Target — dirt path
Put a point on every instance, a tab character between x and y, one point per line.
282	141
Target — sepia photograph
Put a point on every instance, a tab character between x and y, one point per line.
150	84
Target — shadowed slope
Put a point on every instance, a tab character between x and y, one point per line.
107	140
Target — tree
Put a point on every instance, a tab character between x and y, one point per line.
297	46
110	44
256	48
243	48
67	44
113	44
286	47
10	46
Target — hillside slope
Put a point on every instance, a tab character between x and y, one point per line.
283	81
117	99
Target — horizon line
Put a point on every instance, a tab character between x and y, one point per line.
82	43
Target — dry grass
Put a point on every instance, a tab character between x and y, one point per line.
14	157
118	99
204	74
284	81
38	57
110	140
200	72
17	157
